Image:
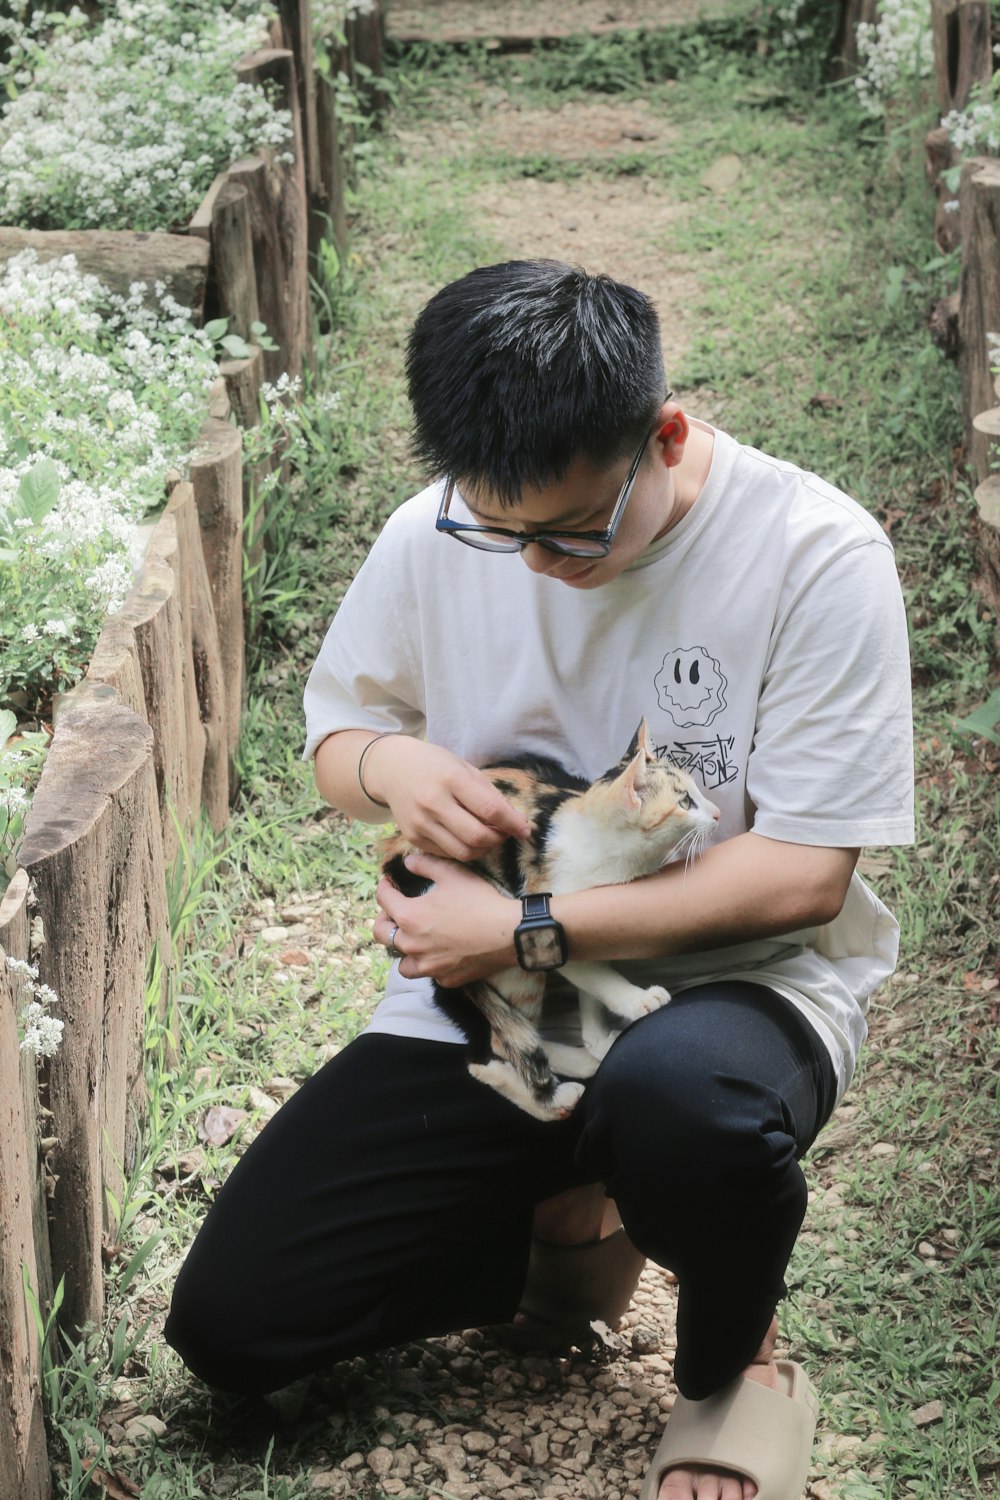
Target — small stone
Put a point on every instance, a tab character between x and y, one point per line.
353	1461
540	1449
478	1442
273	934
380	1461
926	1415
882	1148
295	958
645	1340
927	1250
820	1489
141	1429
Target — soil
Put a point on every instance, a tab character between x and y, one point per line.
438	19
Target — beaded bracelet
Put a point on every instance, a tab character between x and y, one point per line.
361	766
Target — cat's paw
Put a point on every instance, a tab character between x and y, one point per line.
565	1099
644	1002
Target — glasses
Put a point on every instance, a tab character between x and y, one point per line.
571	543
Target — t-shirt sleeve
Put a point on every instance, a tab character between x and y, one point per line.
365	676
832	758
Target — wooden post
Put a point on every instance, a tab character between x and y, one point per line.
281	196
24	1469
979	305
201	631
330	213
234	273
296	20
152	609
94	852
218	491
844	57
963	50
988	507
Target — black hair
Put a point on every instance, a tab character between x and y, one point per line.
518	369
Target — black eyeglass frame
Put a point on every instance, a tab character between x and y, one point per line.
556	540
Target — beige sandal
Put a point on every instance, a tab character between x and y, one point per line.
569	1287
747	1428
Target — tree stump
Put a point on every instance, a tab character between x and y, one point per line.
24	1469
979	305
120	257
94	851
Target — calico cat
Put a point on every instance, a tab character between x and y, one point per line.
626	824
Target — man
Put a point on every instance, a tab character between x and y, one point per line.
621	560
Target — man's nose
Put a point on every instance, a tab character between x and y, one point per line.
541	559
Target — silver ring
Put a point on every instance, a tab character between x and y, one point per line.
391	948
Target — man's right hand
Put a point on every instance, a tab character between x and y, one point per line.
442	804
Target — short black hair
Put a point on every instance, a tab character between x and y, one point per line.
520	368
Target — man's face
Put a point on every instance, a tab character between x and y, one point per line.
583	501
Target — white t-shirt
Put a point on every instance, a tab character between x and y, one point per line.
763	639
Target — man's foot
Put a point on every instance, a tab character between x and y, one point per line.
706	1484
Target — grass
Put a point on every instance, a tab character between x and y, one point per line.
811	281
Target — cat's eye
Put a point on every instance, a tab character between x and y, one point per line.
687	802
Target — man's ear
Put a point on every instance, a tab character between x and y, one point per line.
672	433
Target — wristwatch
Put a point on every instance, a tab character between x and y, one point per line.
538	938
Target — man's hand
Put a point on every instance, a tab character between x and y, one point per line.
460	930
442	804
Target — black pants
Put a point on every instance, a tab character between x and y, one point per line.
391	1198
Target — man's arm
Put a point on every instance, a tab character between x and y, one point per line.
746	888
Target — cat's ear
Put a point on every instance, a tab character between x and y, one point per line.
634	780
640	745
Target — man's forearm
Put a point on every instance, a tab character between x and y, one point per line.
746	888
337	780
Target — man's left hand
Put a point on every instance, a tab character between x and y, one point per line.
460	930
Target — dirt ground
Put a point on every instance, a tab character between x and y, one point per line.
481	18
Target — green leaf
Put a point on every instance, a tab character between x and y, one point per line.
257	326
215	328
8	724
38	491
237	347
983	721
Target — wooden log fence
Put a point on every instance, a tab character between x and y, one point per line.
145	744
966	217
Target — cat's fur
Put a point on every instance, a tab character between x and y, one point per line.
626	824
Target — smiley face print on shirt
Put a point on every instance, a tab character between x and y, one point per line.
691	687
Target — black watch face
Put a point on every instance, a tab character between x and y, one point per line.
542	947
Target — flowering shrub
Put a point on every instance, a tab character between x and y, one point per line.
124	123
20	763
894	53
977	127
99	396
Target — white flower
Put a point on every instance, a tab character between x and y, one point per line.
21	966
30	633
42	1032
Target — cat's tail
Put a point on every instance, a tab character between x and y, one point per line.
515	1038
